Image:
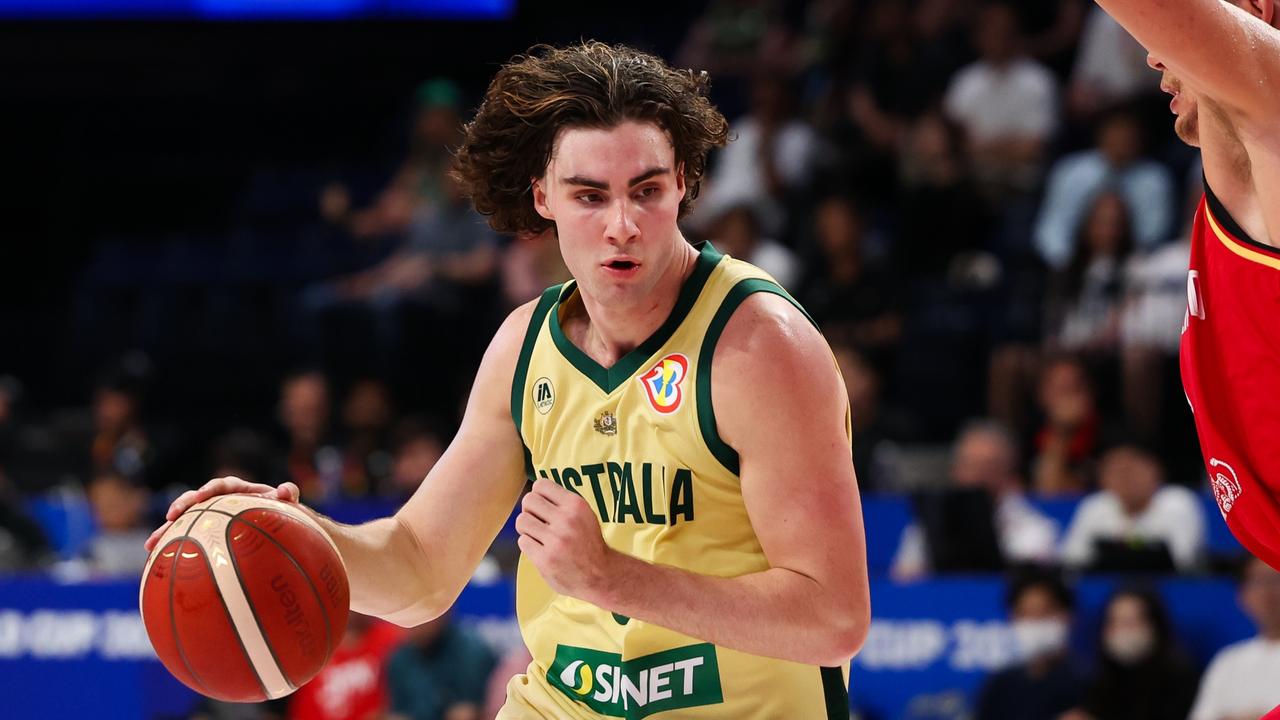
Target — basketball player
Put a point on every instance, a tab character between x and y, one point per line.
1221	64
692	545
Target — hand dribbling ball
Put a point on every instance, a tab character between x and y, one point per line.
244	598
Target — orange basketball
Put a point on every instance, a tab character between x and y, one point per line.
244	598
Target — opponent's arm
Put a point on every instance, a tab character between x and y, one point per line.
409	568
1230	54
780	402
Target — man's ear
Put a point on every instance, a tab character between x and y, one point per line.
540	199
680	184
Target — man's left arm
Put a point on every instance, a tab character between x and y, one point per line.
780	403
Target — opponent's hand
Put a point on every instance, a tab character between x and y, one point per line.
288	492
560	534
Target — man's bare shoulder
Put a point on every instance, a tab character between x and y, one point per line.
771	355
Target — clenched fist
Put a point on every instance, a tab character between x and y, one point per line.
560	535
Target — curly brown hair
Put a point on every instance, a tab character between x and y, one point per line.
592	85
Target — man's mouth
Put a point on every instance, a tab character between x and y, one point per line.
622	264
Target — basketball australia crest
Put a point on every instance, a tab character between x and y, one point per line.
1226	490
606	424
662	383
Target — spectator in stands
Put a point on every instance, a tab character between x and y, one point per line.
895	79
120	511
1240	681
1110	67
120	441
1136	507
737	232
843	292
862	382
1155	304
985	457
416	190
446	268
1006	102
515	662
770	161
1141	674
353	683
733	40
23	545
439	673
941	217
1115	165
418	443
311	462
1065	445
1045	682
366	426
1083	303
247	455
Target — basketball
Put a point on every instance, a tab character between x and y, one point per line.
244	598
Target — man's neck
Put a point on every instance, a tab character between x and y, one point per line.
610	332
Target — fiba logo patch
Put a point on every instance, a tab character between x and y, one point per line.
544	395
662	383
1226	490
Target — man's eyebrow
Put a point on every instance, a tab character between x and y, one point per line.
651	172
600	185
588	182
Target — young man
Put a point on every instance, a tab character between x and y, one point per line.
693	543
1221	63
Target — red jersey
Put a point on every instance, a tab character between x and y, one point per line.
352	686
1230	361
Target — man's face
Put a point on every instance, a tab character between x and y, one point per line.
1131	476
614	195
1185	104
1260	596
981	460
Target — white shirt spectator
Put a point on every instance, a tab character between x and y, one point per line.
739	180
1018	100
1156	298
1240	682
779	261
1025	535
1173	516
1074	183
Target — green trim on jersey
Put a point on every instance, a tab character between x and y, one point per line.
727	456
545	303
835	692
608	379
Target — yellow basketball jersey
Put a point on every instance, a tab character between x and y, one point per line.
638	442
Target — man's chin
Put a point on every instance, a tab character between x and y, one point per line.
1188	130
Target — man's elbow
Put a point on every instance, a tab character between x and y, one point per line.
845	634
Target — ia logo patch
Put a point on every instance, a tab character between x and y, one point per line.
544	395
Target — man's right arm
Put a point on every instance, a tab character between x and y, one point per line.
409	568
412	568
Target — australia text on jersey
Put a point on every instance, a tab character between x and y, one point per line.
612	488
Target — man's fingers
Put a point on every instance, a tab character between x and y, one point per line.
150	544
288	492
538	506
528	525
550	490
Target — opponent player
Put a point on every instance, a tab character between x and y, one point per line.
693	543
1221	63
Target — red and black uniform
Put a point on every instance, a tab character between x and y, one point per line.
1231	373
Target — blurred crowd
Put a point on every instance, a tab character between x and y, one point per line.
981	203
